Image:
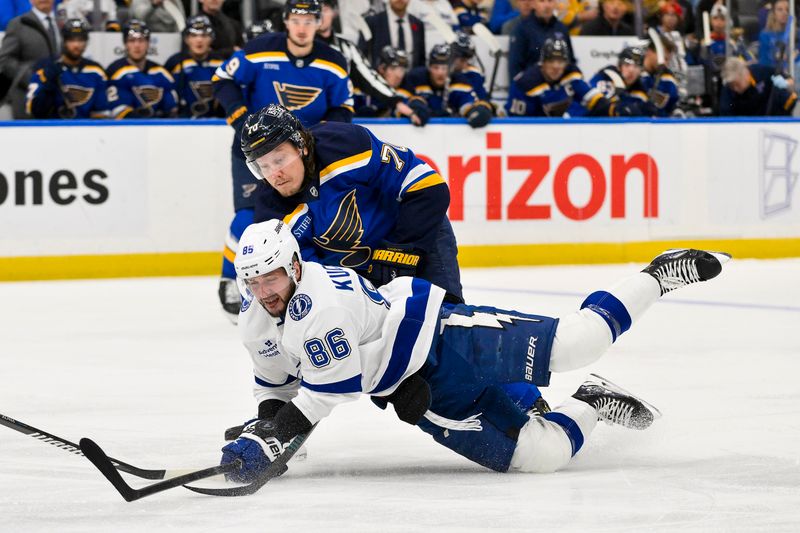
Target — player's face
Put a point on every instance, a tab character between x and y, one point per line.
272	290
398	6
45	6
718	24
198	45
283	169
301	29
630	72
439	74
544	8
524	7
553	69
669	21
740	83
393	75
326	22
74	48
136	48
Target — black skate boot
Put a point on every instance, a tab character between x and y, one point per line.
615	405
230	298
675	268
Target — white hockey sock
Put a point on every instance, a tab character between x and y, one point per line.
547	443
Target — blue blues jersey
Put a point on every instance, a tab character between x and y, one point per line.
662	90
135	93
314	88
455	99
532	95
468	16
193	84
611	84
57	90
363	192
474	76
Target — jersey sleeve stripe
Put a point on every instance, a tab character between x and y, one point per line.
406	338
539	89
330	67
344	165
264	383
341	387
123	71
424	183
639	94
415	174
295	215
571	77
461	87
263	57
96	70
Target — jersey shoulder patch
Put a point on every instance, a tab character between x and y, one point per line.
299	306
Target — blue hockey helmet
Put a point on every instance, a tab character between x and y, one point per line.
302	7
555	49
135	29
75	29
199	25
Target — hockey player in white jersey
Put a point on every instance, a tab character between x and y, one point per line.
467	375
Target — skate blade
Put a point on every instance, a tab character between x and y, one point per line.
652	408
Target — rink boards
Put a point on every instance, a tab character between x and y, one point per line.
110	199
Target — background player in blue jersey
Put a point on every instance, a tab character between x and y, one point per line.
555	88
658	80
70	86
291	69
622	84
353	200
193	68
320	336
447	95
138	87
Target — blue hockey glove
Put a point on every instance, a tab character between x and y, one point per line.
479	115
421	109
257	447
391	261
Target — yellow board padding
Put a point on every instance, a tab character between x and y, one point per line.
209	263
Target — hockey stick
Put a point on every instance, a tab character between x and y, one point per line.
484	34
99	459
71	447
274	470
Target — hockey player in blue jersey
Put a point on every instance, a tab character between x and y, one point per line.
291	69
463	50
70	86
555	88
622	84
447	95
320	336
658	80
353	200
192	70
138	87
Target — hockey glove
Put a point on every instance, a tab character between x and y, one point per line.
257	447
421	109
391	261
479	115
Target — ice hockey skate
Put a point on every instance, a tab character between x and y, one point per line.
678	267
615	405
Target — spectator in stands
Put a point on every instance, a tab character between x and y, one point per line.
703	6
611	20
395	27
524	9
84	9
670	17
138	87
530	35
574	13
165	16
228	33
774	38
193	69
502	12
427	10
554	87
469	13
70	86
716	50
10	9
658	80
351	17
447	95
29	38
755	90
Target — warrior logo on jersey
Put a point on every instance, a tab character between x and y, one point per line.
74	96
204	94
294	97
299	306
149	96
344	234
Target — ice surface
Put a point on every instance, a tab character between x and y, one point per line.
152	371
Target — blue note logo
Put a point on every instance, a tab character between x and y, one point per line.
299	306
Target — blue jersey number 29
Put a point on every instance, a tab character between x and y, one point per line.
335	346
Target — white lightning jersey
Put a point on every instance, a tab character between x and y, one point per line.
340	337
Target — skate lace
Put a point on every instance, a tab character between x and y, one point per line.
676	274
614	411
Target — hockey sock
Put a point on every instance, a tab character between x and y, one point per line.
242	219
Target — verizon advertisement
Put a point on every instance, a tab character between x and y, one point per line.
132	189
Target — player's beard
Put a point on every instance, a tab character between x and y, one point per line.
275	299
298	44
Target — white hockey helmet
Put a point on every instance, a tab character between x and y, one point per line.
264	247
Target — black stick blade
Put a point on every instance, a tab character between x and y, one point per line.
100	460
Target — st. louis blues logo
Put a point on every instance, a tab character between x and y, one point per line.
344	234
149	96
294	97
204	94
74	96
299	306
